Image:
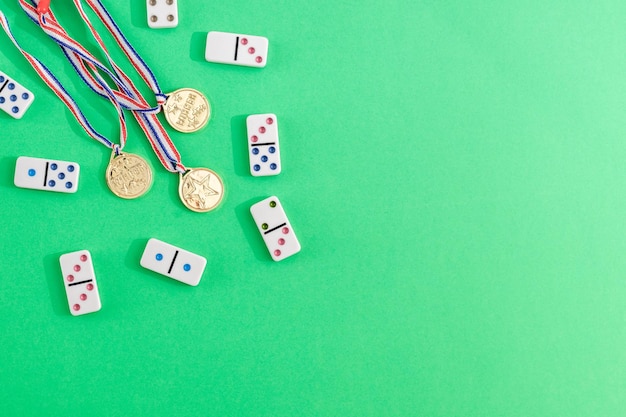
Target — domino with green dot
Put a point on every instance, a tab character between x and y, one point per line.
274	226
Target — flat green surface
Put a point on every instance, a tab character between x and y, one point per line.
454	171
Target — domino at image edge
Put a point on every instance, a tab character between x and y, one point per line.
162	14
15	99
46	174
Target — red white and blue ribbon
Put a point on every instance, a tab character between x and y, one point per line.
138	63
55	85
52	28
160	140
129	97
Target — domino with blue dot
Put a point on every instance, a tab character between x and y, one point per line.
46	174
263	146
14	98
173	262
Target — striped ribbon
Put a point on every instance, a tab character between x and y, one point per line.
54	30
55	85
128	95
161	142
138	63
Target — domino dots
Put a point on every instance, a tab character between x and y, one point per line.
162	13
274	226
250	50
14	98
46	175
263	145
236	49
159	257
173	262
280	241
56	177
80	283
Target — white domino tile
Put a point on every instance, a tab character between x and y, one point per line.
15	99
236	49
162	14
80	283
46	174
173	262
274	226
263	145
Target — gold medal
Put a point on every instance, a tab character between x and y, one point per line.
128	175
187	110
201	189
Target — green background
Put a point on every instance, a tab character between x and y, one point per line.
455	174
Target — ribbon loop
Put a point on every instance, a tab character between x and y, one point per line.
127	95
55	85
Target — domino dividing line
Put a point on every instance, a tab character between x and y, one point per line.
45	176
236	47
78	283
277	227
172	264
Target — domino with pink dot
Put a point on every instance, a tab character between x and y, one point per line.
80	283
263	147
274	226
236	49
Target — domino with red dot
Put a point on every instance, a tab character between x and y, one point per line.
80	283
236	49
274	226
263	146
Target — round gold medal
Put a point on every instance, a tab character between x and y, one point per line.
201	189
187	110
128	175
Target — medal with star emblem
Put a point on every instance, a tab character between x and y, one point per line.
187	110
201	189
